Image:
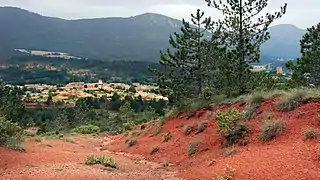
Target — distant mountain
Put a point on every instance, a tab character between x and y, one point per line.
284	42
133	38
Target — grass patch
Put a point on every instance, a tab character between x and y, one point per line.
296	97
310	133
187	130
106	161
166	137
201	128
87	129
250	112
15	144
154	150
192	147
271	129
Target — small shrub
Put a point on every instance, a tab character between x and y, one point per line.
200	128
230	127
271	129
132	142
87	129
154	150
187	130
230	150
192	147
249	112
10	134
310	133
106	161
167	137
256	100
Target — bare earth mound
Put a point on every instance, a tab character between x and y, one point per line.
287	157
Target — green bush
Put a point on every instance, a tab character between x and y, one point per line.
230	126
87	129
271	129
106	161
10	133
201	128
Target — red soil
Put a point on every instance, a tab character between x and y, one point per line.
58	159
287	157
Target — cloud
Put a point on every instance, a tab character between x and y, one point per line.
301	13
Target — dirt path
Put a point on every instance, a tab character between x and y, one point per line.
59	159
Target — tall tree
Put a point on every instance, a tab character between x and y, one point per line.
184	77
307	68
245	33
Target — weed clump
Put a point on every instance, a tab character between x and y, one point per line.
271	129
230	126
192	147
87	129
167	137
154	150
201	128
106	161
187	130
310	133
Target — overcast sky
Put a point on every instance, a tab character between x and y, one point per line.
301	13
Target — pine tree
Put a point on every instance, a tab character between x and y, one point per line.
307	68
184	76
244	34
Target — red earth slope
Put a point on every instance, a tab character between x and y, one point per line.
287	157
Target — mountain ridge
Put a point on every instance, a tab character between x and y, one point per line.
138	37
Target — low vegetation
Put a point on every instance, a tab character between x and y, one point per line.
154	150
187	130
271	129
103	160
10	134
230	125
310	133
294	98
201	128
192	147
166	137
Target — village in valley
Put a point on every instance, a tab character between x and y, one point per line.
68	94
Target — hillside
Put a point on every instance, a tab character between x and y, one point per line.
133	38
187	145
